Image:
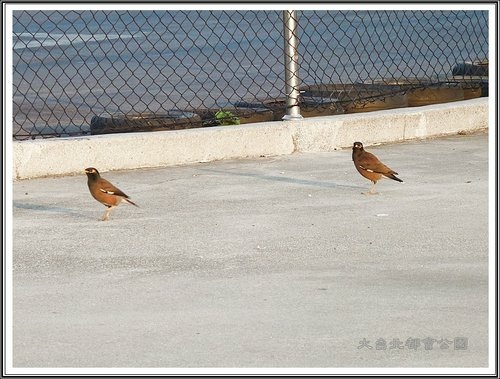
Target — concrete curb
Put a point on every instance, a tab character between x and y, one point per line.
64	156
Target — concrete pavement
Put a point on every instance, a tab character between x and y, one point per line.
265	262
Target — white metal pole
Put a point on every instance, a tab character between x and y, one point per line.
291	66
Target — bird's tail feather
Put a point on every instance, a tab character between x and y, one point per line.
394	177
130	202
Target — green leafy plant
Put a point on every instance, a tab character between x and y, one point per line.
226	118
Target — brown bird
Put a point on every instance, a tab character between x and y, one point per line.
370	167
104	192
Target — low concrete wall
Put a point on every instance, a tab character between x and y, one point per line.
64	156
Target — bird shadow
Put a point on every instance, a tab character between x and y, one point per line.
47	208
285	179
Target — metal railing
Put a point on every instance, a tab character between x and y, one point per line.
90	72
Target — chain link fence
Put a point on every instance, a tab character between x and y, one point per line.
92	72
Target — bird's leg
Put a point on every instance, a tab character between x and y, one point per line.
371	191
105	216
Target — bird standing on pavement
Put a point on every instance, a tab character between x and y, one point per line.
370	167
105	192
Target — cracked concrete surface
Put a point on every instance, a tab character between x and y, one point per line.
270	262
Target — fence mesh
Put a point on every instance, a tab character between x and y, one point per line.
90	72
